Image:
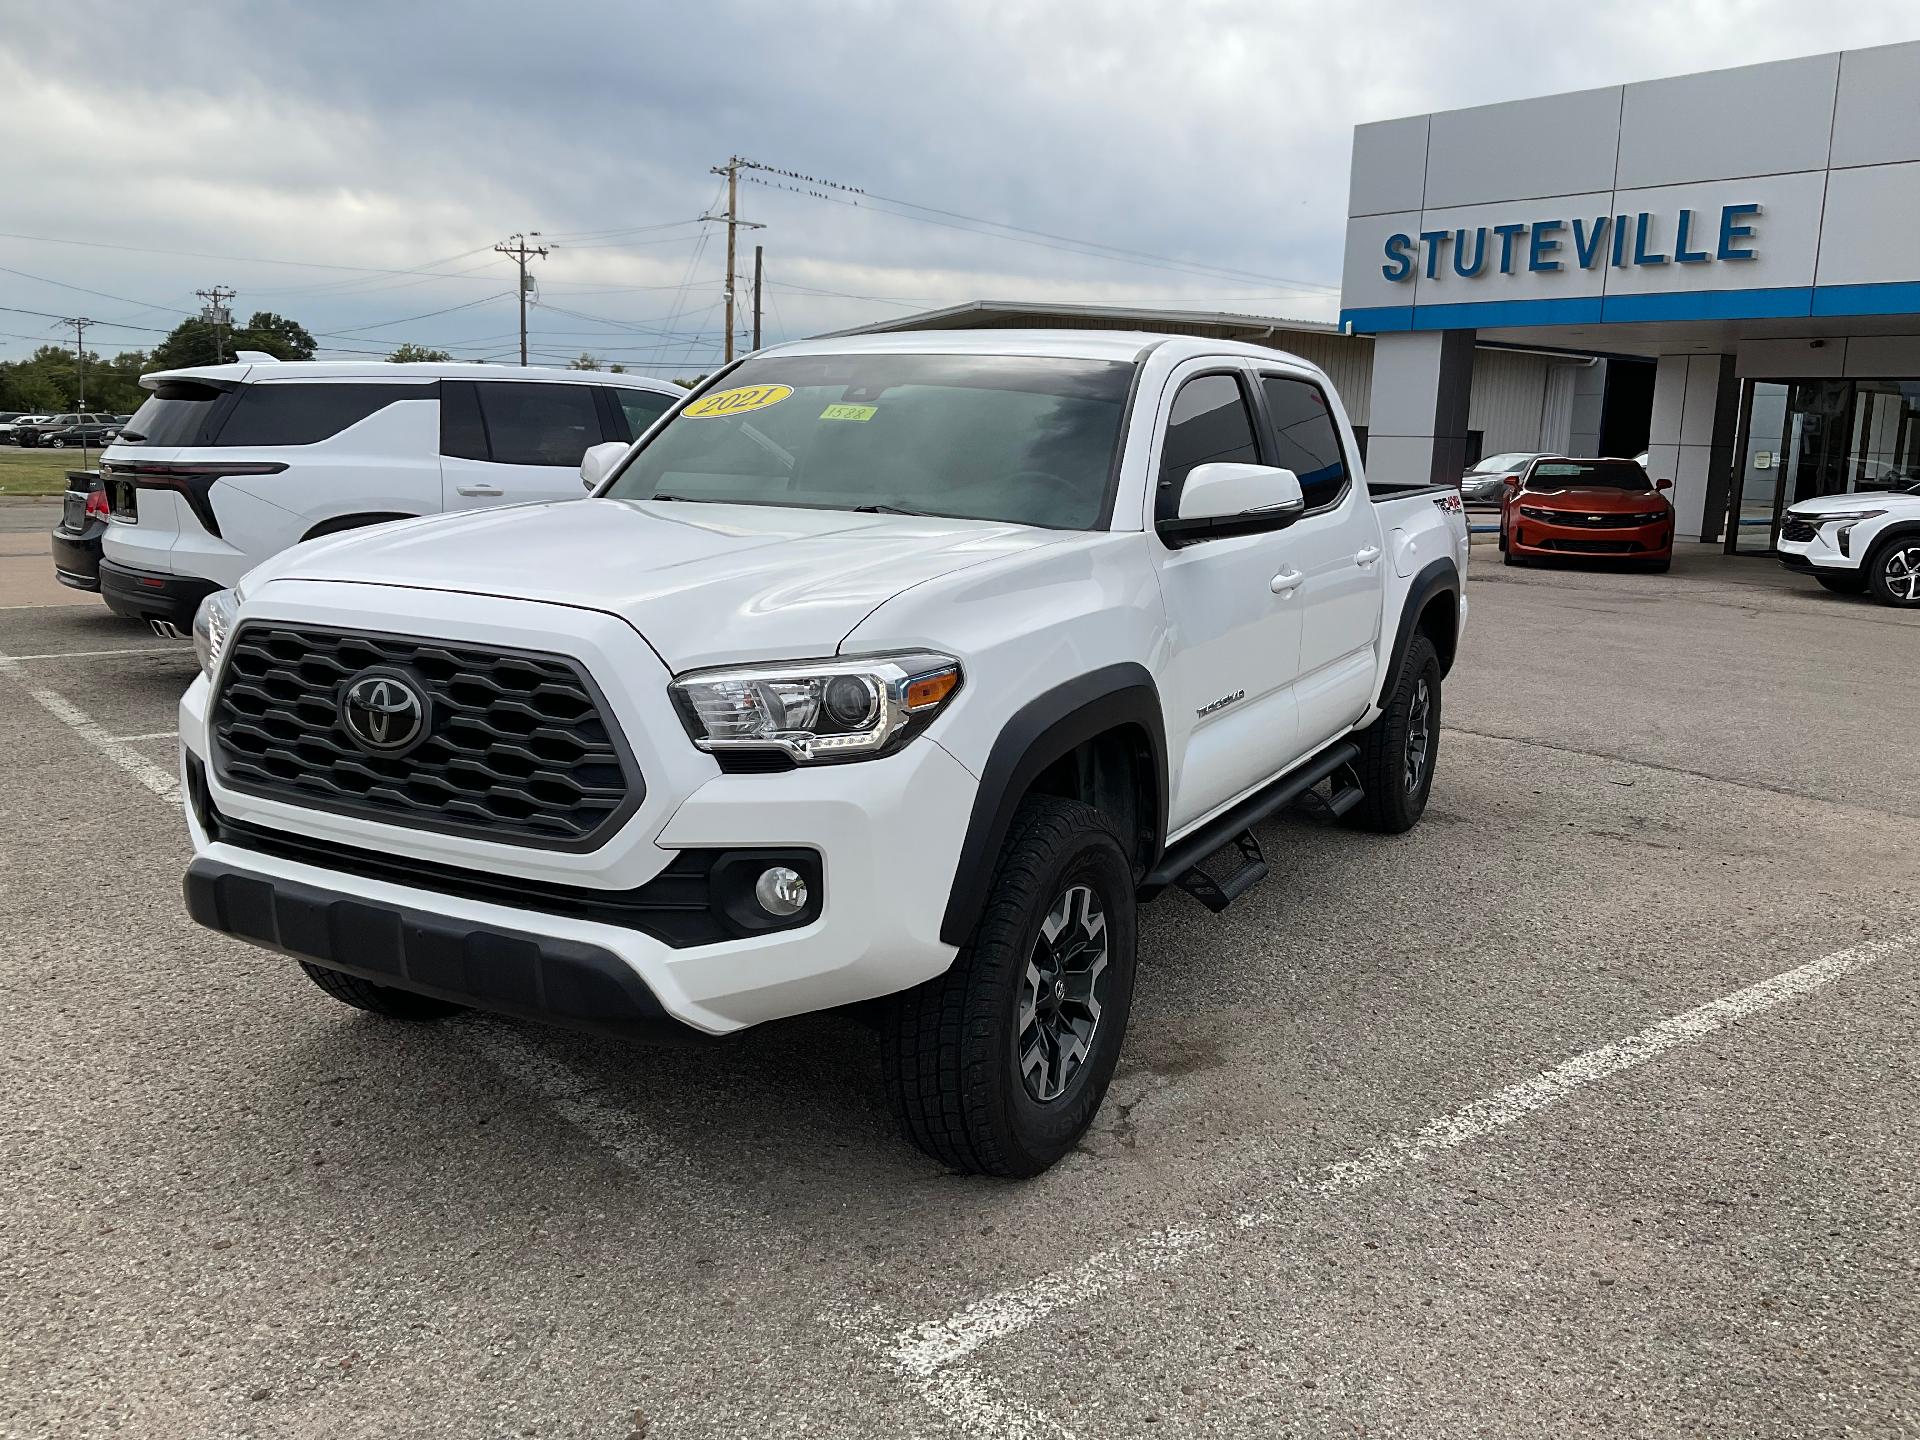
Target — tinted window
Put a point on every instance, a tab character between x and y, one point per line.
538	424
1210	422
1025	439
461	434
1306	441
175	414
304	413
642	408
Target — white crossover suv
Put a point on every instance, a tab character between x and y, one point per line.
1867	540
890	672
226	465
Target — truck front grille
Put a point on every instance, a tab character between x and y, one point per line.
516	746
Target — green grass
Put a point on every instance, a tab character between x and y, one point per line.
40	472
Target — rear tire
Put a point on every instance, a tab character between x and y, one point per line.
1893	574
1842	584
952	1049
379	999
1399	750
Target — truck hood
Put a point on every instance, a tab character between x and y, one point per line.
705	584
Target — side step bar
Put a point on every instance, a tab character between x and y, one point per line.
1180	864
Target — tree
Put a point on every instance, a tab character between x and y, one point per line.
193	341
412	354
584	361
686	382
280	337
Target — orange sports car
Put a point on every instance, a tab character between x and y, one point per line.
1557	508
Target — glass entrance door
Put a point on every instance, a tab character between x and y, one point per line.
1801	438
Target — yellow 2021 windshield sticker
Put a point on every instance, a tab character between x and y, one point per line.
849	412
737	401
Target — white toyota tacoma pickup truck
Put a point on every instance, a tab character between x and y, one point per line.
896	669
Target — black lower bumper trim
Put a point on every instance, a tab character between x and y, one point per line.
537	977
147	595
1801	565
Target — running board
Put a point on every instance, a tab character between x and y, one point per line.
1183	858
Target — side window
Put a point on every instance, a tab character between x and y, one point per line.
1210	421
535	423
642	408
1306	441
462	436
304	413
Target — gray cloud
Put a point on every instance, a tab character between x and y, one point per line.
387	136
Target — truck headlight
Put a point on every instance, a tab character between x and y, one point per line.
212	625
817	710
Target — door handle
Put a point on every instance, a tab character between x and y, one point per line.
479	489
1286	582
1366	555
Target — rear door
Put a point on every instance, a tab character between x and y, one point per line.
506	442
1337	550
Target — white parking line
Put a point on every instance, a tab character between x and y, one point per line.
934	1354
101	654
156	735
157	778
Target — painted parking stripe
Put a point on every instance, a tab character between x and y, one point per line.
141	739
103	654
157	778
934	1354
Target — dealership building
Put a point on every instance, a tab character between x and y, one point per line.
1753	233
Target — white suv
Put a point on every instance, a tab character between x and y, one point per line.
225	466
1867	540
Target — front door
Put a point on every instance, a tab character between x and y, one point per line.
1232	606
1797	443
506	442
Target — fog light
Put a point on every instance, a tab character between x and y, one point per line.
780	891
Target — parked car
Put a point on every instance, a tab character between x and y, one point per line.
97	433
1486	481
20	424
1599	509
76	539
42	428
225	466
1867	541
884	669
7	417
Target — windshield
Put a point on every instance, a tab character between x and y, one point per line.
1019	438
1602	474
1503	462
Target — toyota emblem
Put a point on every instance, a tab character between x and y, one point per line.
383	712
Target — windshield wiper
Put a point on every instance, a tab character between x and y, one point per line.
685	499
886	510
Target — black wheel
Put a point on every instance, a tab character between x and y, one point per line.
1842	584
379	999
1894	572
1507	557
1398	751
998	1066
57	443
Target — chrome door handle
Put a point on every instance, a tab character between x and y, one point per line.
479	489
1286	582
1367	555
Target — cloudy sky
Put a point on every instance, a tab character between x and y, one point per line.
349	164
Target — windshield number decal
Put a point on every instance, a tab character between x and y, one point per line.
737	401
849	412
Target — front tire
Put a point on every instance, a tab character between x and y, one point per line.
378	999
1399	750
998	1066
1894	574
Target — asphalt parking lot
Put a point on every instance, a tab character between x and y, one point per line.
1587	1108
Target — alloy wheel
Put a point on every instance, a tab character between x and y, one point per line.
1061	997
1419	734
1902	572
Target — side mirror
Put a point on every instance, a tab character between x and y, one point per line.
599	461
1663	484
1225	490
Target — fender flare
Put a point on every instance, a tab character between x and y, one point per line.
1436	577
1900	530
1051	725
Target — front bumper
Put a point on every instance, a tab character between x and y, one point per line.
1628	543
76	556
148	595
883	896
1820	555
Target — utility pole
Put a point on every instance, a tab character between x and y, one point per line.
80	324
735	164
219	316
759	252
517	248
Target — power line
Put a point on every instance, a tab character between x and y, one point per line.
409	319
99	294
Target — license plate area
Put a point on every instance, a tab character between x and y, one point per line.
122	501
73	514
